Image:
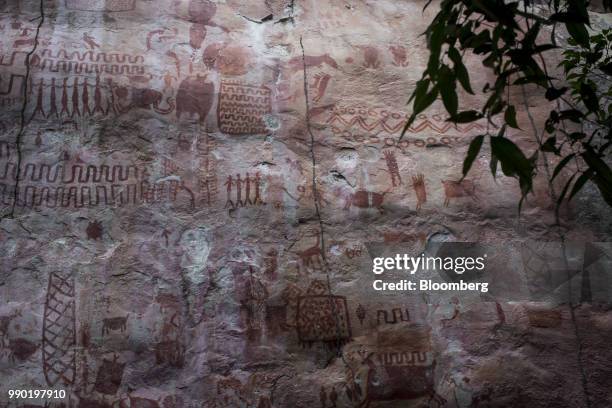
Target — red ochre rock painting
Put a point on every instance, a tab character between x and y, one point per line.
101	5
192	193
241	108
322	317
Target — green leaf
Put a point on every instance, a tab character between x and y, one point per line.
579	33
446	80
597	164
435	36
543	47
593	57
493	166
491	60
422	101
579	9
496	11
577	135
563	193
497	107
589	97
478	40
606	68
473	151
510	117
420	89
571	114
513	162
521	57
566	17
539	79
553	93
580	183
530	37
434	43
550	145
465	117
460	71
561	165
426	101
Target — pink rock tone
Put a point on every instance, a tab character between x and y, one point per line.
192	192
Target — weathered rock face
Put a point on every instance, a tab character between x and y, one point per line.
189	193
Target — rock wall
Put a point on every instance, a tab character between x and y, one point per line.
191	190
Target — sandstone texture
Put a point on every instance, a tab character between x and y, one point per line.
191	193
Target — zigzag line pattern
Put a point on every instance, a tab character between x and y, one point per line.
241	108
383	124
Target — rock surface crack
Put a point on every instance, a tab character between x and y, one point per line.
22	124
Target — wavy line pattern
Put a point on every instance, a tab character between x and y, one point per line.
109	58
242	107
87	68
69	174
